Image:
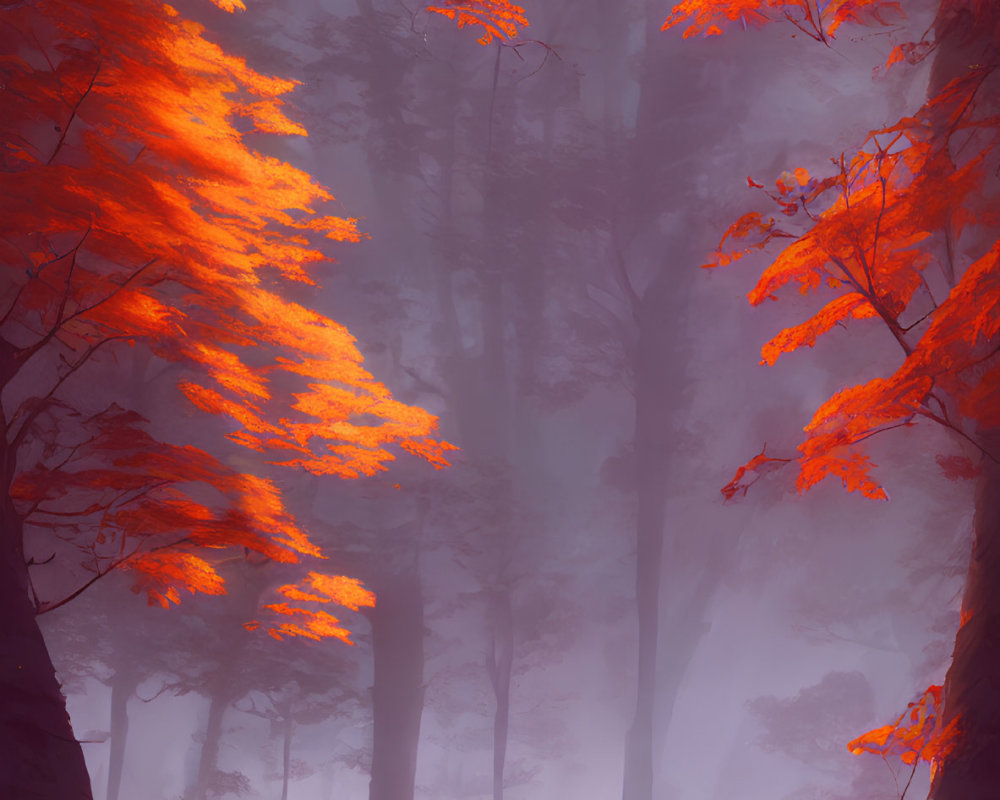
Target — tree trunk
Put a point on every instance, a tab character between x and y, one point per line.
967	37
398	691
972	687
40	758
122	686
651	454
286	755
208	763
501	659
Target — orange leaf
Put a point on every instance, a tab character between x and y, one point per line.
848	305
498	18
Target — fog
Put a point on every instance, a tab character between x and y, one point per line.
537	216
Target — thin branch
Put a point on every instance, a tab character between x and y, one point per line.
43	402
73	113
45	608
926	412
22	356
913	772
166	686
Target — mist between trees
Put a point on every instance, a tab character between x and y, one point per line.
371	429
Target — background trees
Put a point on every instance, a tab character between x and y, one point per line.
536	212
134	212
906	239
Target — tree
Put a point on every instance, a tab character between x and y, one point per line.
134	211
903	232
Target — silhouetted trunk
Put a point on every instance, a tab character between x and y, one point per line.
40	758
398	690
208	762
122	686
972	687
651	439
499	663
286	756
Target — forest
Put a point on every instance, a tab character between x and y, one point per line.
386	412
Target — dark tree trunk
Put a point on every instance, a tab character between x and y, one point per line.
966	40
398	691
122	686
40	758
972	687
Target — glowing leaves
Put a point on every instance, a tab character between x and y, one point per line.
749	233
851	305
872	231
863	12
316	624
230	5
227	369
430	450
184	226
747	475
918	734
133	211
124	495
161	574
852	469
851	416
498	18
706	16
338	589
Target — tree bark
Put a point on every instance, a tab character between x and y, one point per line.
40	758
972	687
967	37
398	690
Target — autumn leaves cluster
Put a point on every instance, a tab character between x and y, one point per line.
134	211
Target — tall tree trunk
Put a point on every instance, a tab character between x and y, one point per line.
499	664
972	687
122	686
651	440
208	762
40	759
286	755
398	690
967	35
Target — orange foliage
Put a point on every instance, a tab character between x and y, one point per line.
750	473
312	623
132	210
918	733
847	305
871	235
498	18
705	16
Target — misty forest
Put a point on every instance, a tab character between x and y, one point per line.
383	414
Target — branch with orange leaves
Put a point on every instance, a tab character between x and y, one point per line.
818	22
311	623
918	734
498	18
